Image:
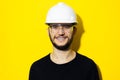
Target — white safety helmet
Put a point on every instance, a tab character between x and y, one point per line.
61	13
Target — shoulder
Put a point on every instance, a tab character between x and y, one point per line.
41	62
89	67
85	61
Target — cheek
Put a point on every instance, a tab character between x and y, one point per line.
69	34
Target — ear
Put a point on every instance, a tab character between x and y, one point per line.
74	30
48	30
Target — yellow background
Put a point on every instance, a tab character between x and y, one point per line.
24	37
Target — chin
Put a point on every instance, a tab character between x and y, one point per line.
61	46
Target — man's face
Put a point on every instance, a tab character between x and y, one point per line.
61	35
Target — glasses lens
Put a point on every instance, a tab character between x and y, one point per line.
66	25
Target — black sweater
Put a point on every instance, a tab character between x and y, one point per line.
80	68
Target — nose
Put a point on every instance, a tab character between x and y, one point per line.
61	30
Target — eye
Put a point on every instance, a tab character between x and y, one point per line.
67	26
54	26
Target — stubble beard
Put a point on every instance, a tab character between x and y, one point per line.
63	47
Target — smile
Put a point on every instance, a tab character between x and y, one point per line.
61	38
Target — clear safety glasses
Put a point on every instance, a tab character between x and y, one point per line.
64	26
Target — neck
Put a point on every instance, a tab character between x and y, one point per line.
61	57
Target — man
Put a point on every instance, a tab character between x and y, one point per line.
63	63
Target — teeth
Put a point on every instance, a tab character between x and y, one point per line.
61	38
